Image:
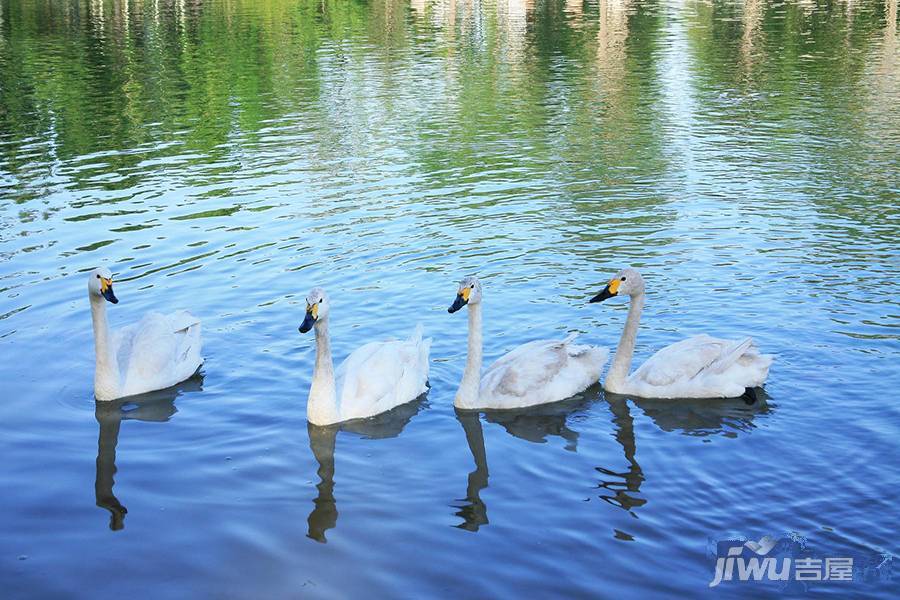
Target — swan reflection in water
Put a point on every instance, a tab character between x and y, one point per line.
621	487
533	424
725	417
322	442
154	407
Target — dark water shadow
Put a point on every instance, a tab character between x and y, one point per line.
157	407
726	417
322	441
533	424
723	417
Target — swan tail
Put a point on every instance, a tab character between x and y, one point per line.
601	355
417	333
424	352
190	358
580	349
423	346
744	364
759	365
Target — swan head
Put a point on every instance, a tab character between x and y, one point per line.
316	309
100	282
469	292
627	282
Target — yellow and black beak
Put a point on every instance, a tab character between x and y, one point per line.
462	298
312	314
611	290
106	290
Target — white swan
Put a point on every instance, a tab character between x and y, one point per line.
698	367
534	373
375	378
153	354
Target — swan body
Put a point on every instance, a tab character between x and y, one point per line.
373	379
155	353
535	373
698	367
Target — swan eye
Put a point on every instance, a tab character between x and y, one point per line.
623	279
98	277
320	300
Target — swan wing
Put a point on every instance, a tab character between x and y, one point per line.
539	372
729	355
682	360
122	343
519	354
159	351
355	367
181	321
188	357
703	366
524	368
148	352
381	375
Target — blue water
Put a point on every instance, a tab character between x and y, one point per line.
225	157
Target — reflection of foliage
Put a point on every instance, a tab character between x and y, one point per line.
98	76
569	87
84	76
803	71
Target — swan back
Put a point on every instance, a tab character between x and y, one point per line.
159	352
540	372
379	376
701	367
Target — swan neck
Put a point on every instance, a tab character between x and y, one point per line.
621	364
467	396
321	408
106	378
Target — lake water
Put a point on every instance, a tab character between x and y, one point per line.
227	156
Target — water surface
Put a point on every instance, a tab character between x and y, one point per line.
226	156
